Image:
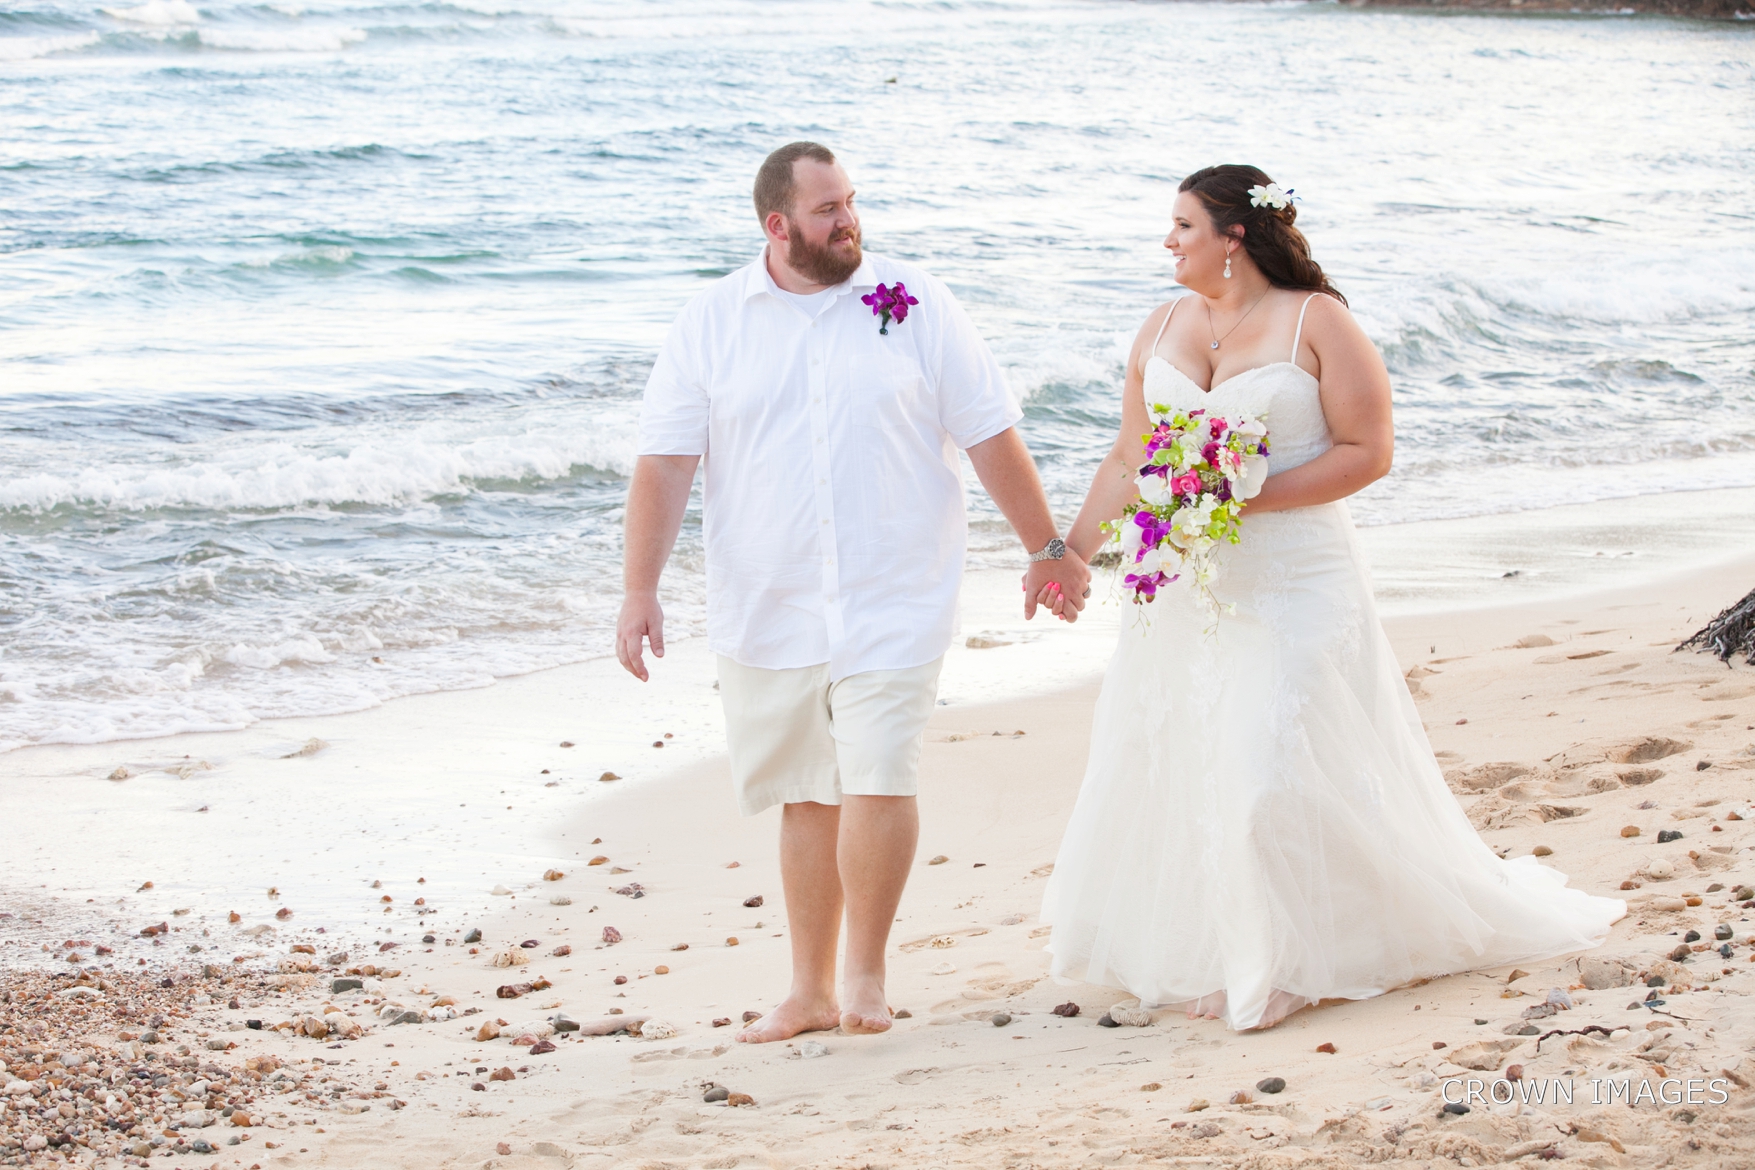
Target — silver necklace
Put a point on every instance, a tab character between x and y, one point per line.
1233	329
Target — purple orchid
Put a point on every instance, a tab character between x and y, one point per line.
890	304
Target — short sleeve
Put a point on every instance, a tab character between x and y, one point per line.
975	403
674	409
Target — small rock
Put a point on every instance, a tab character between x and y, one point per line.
529	943
939	860
1198	1104
1105	1021
1529	1030
600	859
722	1022
1455	1109
511	958
562	1024
560	900
632	890
1328	1048
716	1094
611	936
657	1030
502	1149
1514	1072
732	941
1000	1019
1241	1098
488	1031
1659	869
499	891
753	902
1541	851
904	1014
1630	830
348	983
812	1049
1723	931
552	875
1205	1129
620	979
1702	765
473	936
1691	936
503	1074
1150	1087
680	947
201	1146
120	773
540	1047
1560	999
1271	1085
561	951
1665	836
736	1099
661	969
751	1017
1067	1009
1516	974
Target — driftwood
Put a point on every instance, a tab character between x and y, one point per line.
1731	632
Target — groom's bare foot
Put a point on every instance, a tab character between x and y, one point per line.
790	1018
867	1012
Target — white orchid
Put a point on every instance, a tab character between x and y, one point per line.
1272	195
1154	490
1246	484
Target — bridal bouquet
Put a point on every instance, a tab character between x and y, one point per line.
1199	471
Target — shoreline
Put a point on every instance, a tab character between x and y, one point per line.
949	1087
1689	9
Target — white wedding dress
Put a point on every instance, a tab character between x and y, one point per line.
1262	824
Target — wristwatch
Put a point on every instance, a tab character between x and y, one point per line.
1054	550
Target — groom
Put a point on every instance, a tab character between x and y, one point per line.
828	392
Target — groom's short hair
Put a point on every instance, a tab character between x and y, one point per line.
775	188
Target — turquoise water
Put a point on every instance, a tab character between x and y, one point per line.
322	326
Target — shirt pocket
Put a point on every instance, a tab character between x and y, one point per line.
887	390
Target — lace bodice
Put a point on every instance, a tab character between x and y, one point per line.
1282	395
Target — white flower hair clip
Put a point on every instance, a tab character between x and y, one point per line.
1272	195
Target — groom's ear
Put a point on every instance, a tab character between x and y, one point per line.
774	225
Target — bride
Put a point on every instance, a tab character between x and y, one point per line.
1262	824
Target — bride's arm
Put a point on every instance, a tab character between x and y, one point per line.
1355	400
1112	488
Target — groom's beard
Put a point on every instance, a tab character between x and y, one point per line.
824	264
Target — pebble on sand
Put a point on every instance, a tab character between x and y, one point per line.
732	941
751	1017
600	859
552	875
737	1099
1630	830
716	1093
1271	1085
503	1074
1328	1048
1541	851
607	777
611	936
1150	1087
1241	1097
753	902
939	860
1000	1019
661	969
1198	1104
1068	1009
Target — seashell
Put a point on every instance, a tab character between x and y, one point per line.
512	958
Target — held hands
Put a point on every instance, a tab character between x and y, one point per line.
1059	586
641	618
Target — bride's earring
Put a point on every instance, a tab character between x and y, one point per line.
1227	265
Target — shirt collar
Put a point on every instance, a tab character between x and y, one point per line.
758	279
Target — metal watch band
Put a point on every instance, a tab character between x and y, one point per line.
1054	550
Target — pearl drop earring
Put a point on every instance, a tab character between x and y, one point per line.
1227	265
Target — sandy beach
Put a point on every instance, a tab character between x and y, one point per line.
1562	724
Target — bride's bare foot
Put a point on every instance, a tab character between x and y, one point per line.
867	1011
1207	1007
790	1018
1280	1004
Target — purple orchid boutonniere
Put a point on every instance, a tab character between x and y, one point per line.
890	304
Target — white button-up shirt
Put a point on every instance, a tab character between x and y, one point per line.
833	498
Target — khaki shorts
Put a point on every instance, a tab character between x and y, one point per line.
797	737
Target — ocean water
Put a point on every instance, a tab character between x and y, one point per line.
323	325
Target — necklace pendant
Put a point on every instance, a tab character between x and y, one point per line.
1215	345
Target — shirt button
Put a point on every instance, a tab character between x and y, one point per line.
819	438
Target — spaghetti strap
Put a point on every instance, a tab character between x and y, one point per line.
1162	325
1296	337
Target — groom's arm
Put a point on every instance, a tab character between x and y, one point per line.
1004	466
657	499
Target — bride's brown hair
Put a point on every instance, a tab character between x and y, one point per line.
1278	248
